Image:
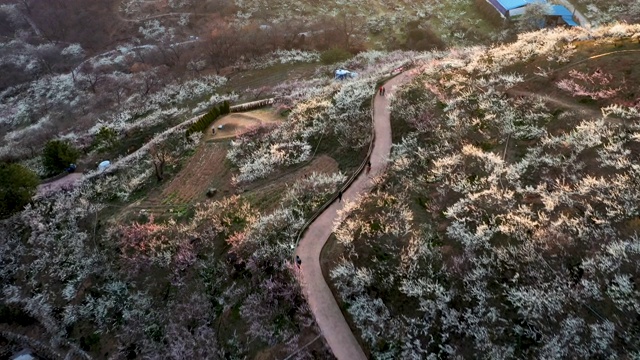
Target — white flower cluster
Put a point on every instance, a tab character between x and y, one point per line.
154	30
521	217
285	57
268	157
607	12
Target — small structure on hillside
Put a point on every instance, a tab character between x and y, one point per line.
510	8
342	74
558	15
24	355
104	165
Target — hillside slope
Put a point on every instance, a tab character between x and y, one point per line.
506	225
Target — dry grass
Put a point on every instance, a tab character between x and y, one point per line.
238	123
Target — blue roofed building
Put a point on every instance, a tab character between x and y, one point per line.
559	15
509	8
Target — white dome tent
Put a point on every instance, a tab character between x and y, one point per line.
104	165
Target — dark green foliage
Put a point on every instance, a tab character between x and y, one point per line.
106	140
17	186
421	38
334	55
89	342
203	123
58	155
225	108
490	13
12	315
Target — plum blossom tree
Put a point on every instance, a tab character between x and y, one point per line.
493	217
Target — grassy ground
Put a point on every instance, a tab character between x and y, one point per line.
267	77
463	21
264	193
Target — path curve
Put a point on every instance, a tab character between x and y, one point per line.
325	309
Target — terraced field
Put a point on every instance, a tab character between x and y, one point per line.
208	168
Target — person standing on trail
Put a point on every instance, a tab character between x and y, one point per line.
340	196
368	166
298	261
384	91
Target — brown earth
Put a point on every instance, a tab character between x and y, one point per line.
66	182
207	169
238	123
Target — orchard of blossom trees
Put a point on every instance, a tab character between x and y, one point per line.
86	282
602	12
319	109
156	289
506	226
484	236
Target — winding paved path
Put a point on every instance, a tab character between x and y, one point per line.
323	305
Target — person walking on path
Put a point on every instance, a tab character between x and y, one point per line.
320	299
380	90
340	196
298	261
384	91
368	166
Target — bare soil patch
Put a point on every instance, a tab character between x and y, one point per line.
205	169
235	124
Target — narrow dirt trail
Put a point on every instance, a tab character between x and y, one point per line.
60	184
574	106
325	309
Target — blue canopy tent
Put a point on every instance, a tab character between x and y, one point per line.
342	74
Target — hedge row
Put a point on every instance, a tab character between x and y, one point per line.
203	123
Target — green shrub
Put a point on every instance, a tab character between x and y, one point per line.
421	38
226	108
90	341
106	140
17	187
208	118
334	55
58	155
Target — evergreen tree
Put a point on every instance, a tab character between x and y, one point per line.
17	187
58	155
